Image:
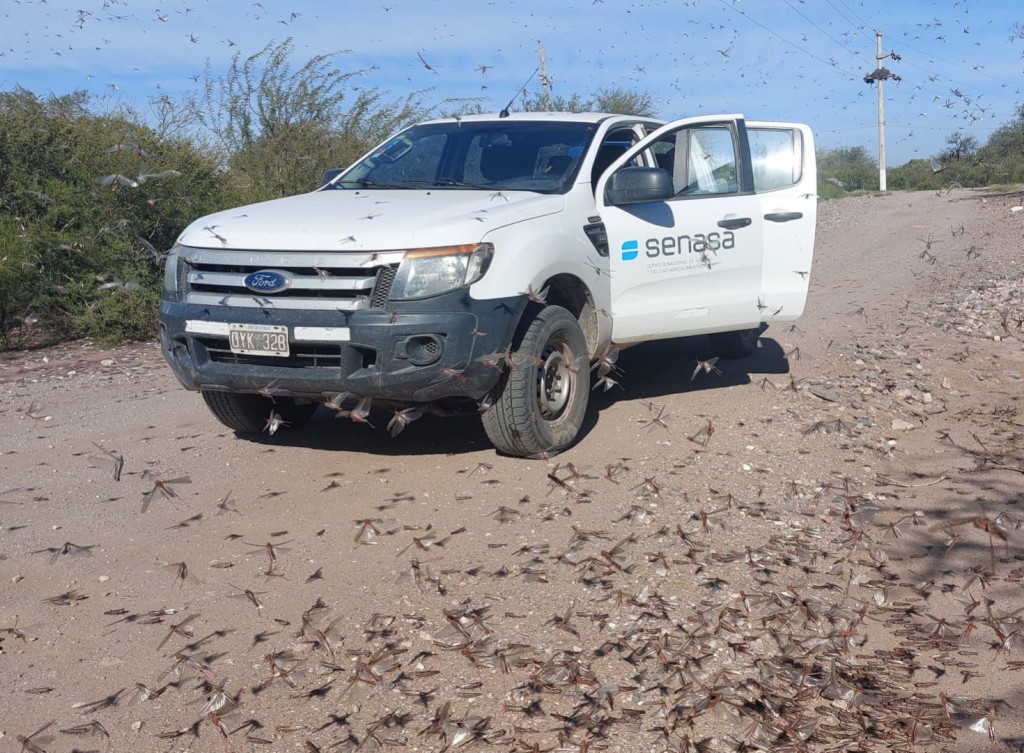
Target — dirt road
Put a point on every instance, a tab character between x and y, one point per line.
818	548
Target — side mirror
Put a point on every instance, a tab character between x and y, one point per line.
330	174
637	185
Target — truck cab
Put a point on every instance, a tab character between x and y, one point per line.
484	262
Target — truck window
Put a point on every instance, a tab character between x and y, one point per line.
511	155
702	160
615	144
777	157
538	158
711	161
402	158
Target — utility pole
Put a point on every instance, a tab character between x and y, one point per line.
877	76
544	83
881	114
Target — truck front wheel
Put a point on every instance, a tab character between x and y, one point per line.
541	399
248	414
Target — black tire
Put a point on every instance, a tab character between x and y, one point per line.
738	344
248	414
540	403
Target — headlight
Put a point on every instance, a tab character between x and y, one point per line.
171	271
429	271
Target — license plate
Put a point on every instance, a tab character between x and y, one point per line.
258	339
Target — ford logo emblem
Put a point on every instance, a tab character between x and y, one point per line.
267	281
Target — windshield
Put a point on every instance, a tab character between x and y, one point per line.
493	155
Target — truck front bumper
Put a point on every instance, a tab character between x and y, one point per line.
416	351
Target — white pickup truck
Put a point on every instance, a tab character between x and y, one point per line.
486	262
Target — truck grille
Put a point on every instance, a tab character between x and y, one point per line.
336	282
302	356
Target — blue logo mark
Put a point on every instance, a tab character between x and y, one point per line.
630	250
267	281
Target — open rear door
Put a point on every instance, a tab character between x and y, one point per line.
785	180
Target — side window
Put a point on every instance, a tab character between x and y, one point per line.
710	161
702	160
776	156
615	144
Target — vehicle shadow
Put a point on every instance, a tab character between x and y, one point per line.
666	367
648	371
429	435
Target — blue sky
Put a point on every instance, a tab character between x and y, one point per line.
803	60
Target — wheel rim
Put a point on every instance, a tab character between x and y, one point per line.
554	384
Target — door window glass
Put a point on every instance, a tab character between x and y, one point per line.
777	157
702	160
712	161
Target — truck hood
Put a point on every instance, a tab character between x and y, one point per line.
348	220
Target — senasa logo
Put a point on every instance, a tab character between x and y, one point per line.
630	249
267	281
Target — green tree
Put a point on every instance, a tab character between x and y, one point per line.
958	146
88	204
278	127
848	167
534	102
917	175
1003	153
625	101
613	99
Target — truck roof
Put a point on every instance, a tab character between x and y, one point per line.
561	117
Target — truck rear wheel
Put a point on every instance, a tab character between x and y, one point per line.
248	414
738	344
542	399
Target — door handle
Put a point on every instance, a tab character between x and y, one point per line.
734	224
783	216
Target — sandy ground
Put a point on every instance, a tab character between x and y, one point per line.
836	565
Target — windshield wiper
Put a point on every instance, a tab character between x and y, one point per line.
366	183
449	182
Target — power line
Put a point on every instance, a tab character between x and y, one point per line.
920	126
860	18
903	44
794	45
853	26
969	117
935	59
869	126
831	64
896	92
812	23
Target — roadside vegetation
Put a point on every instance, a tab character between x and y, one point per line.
964	163
91	200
